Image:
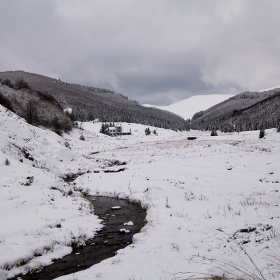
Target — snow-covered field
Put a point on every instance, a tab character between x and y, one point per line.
213	198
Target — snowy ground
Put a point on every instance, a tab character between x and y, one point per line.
204	198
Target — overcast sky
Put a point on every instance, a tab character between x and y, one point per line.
156	52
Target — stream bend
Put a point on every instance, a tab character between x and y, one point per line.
108	240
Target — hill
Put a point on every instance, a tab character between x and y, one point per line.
89	103
188	107
37	108
243	112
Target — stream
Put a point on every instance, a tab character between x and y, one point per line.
105	244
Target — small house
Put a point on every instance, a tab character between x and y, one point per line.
112	131
118	129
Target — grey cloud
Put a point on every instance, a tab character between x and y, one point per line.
153	51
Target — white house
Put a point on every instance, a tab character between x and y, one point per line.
117	130
112	130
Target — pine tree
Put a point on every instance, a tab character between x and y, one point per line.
262	133
104	128
214	131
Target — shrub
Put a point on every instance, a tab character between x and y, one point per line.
57	126
67	125
70	116
31	112
20	83
214	131
104	128
6	102
46	96
147	131
262	133
8	83
58	132
61	125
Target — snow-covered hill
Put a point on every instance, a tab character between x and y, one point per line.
268	89
244	111
188	107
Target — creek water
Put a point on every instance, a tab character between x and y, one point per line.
105	244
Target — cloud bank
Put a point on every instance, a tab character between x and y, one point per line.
156	52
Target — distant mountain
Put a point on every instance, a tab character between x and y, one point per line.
242	112
89	103
188	107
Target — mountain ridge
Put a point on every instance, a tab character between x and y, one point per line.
245	111
89	103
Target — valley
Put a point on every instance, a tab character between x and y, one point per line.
205	199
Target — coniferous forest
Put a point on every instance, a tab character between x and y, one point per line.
56	104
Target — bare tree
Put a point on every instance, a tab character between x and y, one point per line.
21	83
31	112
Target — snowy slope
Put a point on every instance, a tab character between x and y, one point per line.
39	213
206	199
267	89
188	107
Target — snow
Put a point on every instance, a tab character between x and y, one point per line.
130	223
208	198
123	230
68	110
267	89
116	207
188	107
